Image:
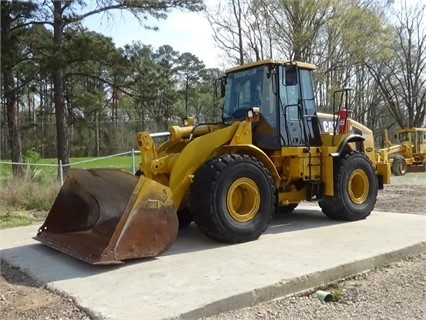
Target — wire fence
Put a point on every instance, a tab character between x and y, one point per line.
60	166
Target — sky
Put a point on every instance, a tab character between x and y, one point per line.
184	31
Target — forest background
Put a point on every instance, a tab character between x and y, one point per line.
68	91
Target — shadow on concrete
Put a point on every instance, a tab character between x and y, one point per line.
191	239
300	219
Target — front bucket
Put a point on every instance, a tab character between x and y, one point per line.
104	216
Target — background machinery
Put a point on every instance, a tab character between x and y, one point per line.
409	154
266	155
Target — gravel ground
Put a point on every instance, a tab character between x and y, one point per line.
397	291
22	298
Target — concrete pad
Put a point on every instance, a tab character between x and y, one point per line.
199	277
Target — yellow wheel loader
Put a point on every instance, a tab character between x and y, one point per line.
267	155
409	155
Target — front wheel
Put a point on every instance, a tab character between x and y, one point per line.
355	189
399	165
232	198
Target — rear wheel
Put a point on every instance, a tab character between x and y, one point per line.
355	189
399	166
232	198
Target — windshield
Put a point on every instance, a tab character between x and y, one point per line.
246	89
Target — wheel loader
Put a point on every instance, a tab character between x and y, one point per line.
409	155
267	155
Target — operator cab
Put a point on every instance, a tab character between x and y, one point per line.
415	136
283	91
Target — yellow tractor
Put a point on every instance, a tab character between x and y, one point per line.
407	156
266	156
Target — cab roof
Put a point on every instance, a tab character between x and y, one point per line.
303	65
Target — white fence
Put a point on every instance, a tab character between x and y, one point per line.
61	166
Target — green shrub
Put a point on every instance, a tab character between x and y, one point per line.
31	156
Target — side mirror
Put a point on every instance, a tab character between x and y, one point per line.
220	87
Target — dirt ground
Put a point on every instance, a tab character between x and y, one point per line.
21	298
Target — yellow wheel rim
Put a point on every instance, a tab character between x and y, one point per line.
358	186
243	199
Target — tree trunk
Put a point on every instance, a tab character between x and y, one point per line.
12	122
9	91
58	88
237	12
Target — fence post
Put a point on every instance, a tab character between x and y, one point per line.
133	161
61	173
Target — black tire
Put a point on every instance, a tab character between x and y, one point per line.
232	198
399	165
355	189
184	217
287	209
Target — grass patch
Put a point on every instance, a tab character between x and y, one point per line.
5	170
120	162
39	187
39	168
28	193
336	294
10	220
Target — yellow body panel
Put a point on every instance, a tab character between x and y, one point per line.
193	156
175	162
291	196
384	169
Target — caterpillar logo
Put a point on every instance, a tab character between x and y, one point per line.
326	125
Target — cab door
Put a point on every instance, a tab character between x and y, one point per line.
297	109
